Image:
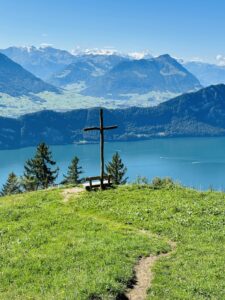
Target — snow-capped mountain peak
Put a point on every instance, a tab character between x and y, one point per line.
146	54
95	51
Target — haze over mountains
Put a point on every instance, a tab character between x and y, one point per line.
41	61
89	79
16	81
47	63
114	79
207	74
201	113
105	75
45	78
86	68
162	74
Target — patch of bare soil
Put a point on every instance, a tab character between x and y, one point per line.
67	193
144	275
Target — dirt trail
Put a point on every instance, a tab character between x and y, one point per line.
143	270
67	193
144	274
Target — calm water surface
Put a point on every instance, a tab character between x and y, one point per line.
195	162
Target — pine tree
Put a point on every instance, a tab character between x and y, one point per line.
37	171
73	174
29	180
117	170
12	186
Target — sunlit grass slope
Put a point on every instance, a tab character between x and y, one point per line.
51	250
195	220
86	248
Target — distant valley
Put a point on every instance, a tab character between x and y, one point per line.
61	81
201	113
33	79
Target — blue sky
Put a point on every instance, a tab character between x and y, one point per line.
183	28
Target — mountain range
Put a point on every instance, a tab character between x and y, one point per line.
162	74
86	80
104	75
48	63
200	113
43	62
16	81
207	74
37	78
86	68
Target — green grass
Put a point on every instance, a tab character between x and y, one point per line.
87	247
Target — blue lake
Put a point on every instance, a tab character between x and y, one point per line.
195	162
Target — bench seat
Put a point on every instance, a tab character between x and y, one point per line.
95	182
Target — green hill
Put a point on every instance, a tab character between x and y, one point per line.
86	246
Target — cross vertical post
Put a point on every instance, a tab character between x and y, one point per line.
102	163
101	129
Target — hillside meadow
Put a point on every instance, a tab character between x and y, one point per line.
87	246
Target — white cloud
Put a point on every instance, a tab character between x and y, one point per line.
192	59
220	60
197	59
76	51
97	51
140	55
45	45
111	51
103	51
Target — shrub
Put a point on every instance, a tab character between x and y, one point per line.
141	180
159	183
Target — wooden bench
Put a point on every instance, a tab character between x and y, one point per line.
95	182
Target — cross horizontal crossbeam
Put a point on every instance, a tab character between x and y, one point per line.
98	128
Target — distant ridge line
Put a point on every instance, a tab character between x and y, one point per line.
196	114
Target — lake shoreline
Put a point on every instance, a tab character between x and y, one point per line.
91	142
194	162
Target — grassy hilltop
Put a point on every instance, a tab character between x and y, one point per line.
87	247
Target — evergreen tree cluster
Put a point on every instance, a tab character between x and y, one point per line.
41	172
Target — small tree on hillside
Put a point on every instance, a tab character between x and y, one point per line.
117	170
73	173
12	186
29	180
38	173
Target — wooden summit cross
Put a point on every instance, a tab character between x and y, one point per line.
101	129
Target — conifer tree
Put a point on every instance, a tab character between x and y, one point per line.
12	186
117	170
38	173
29	179
73	173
